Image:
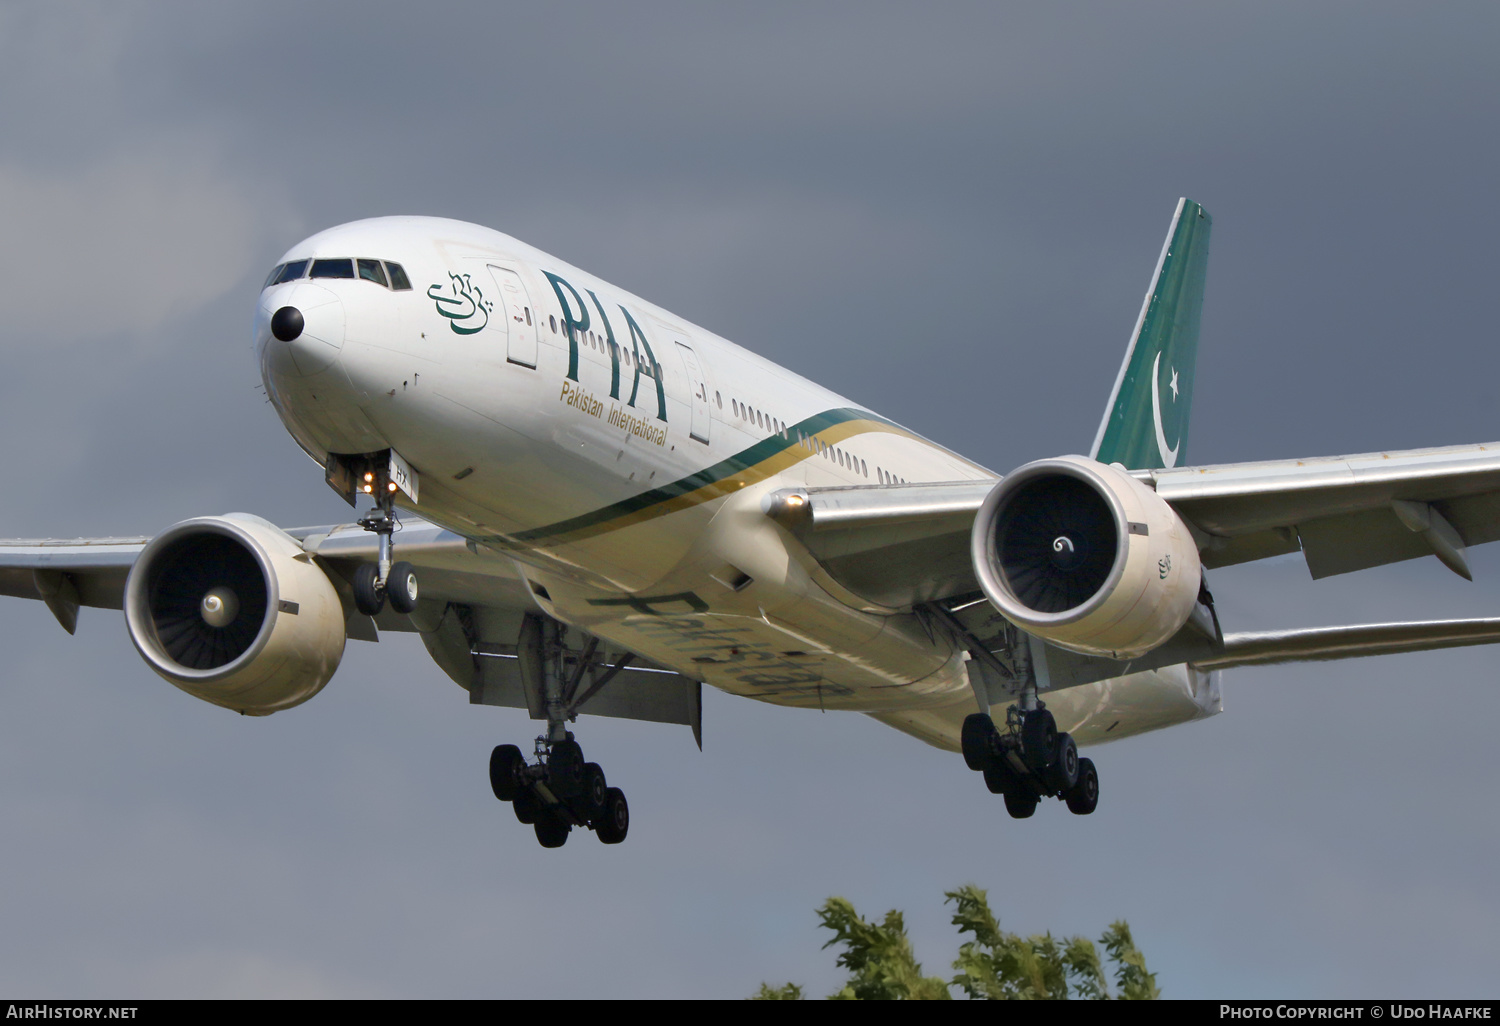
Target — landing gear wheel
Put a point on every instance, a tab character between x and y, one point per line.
565	769
1062	771
1020	804
506	767
528	806
1038	740
615	823
401	587
368	598
977	739
551	832
999	778
1083	797
595	793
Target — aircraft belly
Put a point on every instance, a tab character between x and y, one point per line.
749	621
760	659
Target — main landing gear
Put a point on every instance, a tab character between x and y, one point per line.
1029	761
558	792
375	583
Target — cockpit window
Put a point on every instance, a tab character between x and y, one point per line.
341	268
271	278
292	271
370	270
399	281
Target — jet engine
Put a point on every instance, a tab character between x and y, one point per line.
1087	557
232	611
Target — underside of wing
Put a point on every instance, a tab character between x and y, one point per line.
893	546
68	573
896	546
1343	512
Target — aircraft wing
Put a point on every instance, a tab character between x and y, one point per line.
900	545
978	620
68	573
474	611
1344	512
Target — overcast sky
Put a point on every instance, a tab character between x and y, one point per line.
946	212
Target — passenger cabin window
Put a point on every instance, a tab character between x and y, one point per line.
292	271
342	267
399	281
370	270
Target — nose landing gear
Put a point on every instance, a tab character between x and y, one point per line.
375	583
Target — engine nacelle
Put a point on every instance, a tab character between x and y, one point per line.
1085	556
232	611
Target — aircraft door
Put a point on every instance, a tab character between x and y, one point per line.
698	386
519	316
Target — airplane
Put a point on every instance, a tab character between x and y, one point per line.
585	505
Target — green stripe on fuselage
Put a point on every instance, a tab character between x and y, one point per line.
766	457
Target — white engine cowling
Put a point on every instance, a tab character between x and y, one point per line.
232	611
1085	556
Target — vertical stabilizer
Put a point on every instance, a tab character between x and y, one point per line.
1145	425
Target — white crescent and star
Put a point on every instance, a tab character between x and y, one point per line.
1168	456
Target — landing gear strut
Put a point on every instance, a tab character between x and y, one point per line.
560	790
374	583
1030	760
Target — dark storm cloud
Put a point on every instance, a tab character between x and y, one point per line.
948	213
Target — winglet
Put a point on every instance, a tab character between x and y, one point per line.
1145	425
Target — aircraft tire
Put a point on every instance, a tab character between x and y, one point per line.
999	778
551	832
976	740
1020	805
595	794
401	587
1062	771
615	823
1083	797
565	769
528	806
368	599
506	765
1038	740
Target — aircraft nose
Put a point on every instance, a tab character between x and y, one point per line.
308	324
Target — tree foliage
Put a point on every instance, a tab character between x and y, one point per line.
991	964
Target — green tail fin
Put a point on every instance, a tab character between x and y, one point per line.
1146	424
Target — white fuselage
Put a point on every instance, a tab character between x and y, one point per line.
620	456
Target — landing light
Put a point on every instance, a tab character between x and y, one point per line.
391	486
795	500
369	477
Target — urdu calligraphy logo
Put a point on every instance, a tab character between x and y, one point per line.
462	302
